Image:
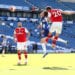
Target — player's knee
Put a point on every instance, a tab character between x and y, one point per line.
42	40
54	42
49	35
56	37
19	53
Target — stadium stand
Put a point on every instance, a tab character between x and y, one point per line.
15	2
7	25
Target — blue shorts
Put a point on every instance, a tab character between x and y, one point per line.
45	34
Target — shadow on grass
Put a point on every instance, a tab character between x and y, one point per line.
20	65
55	68
12	69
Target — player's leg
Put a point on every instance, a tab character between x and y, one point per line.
62	40
45	40
25	53
26	57
19	53
57	26
51	30
55	40
19	57
59	31
3	50
43	44
48	37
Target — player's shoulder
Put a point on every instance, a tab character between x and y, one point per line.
56	10
22	27
16	28
53	10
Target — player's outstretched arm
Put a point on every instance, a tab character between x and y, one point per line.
14	37
41	14
28	34
66	12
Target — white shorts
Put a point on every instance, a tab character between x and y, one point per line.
56	27
21	46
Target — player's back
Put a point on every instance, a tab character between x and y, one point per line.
56	15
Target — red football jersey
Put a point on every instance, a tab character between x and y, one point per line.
56	15
20	34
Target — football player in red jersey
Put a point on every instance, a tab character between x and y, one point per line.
21	36
46	27
56	18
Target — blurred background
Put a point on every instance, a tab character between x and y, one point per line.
27	11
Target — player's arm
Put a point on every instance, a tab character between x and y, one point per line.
14	36
68	12
28	33
42	13
40	25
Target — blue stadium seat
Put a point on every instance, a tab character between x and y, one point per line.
14	2
68	32
40	3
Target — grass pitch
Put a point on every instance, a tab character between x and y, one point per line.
52	64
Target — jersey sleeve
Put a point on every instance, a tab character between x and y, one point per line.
14	32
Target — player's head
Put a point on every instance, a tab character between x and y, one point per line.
48	8
45	14
19	24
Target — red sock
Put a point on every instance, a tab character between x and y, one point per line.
25	54
48	37
55	39
19	55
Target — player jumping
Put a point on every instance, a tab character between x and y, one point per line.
56	18
45	31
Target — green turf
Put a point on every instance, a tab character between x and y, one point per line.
52	64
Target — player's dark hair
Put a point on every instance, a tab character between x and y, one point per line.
2	36
45	13
48	8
